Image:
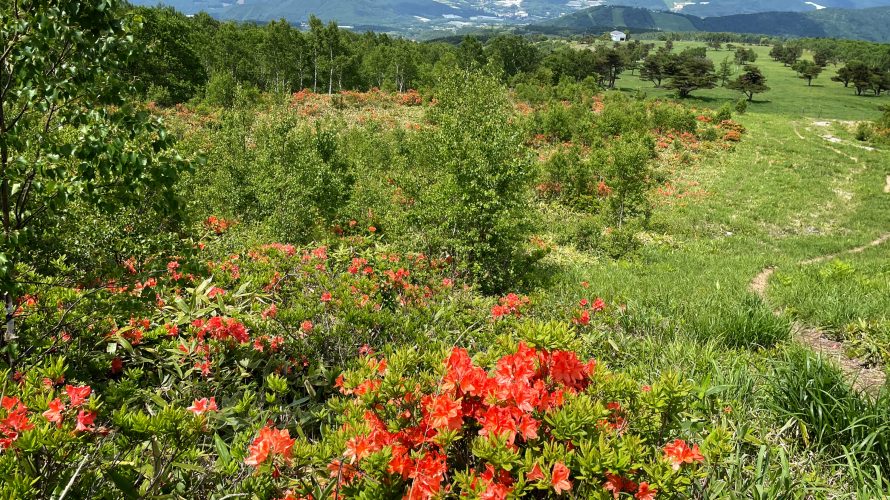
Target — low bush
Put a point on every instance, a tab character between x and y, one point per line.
541	421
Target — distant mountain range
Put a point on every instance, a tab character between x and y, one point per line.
457	14
863	24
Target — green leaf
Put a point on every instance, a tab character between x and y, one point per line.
222	449
123	483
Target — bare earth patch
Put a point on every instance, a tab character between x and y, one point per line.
863	378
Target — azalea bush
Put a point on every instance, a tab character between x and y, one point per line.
217	372
244	337
539	420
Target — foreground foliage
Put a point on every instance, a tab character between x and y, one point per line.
399	293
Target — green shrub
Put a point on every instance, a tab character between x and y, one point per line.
628	174
476	206
622	115
709	133
864	131
587	233
220	90
275	173
741	106
671	117
555	122
621	241
725	112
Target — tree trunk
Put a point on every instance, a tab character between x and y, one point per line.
331	74
9	334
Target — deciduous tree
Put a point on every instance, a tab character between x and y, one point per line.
691	71
750	82
66	135
808	70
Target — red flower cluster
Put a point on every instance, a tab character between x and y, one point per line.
586	309
220	328
732	136
261	254
202	406
618	485
270	443
511	305
603	189
679	453
14	423
77	396
507	403
218	225
410	98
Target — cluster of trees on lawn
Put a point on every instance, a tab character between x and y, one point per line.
866	66
692	69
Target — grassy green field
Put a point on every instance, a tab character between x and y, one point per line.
784	195
789	95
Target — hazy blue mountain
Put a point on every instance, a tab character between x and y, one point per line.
864	24
419	12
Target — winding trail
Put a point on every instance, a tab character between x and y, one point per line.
864	378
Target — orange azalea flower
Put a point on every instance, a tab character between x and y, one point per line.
645	492
202	406
78	395
617	484
679	453
270	442
270	312
535	473
85	421
444	413
54	413
560	478
359	447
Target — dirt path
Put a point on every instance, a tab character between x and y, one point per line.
865	379
887	187
880	241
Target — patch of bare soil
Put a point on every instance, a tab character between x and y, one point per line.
864	378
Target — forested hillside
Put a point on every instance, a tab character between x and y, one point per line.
257	261
866	24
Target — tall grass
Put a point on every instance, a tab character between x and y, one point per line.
830	417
